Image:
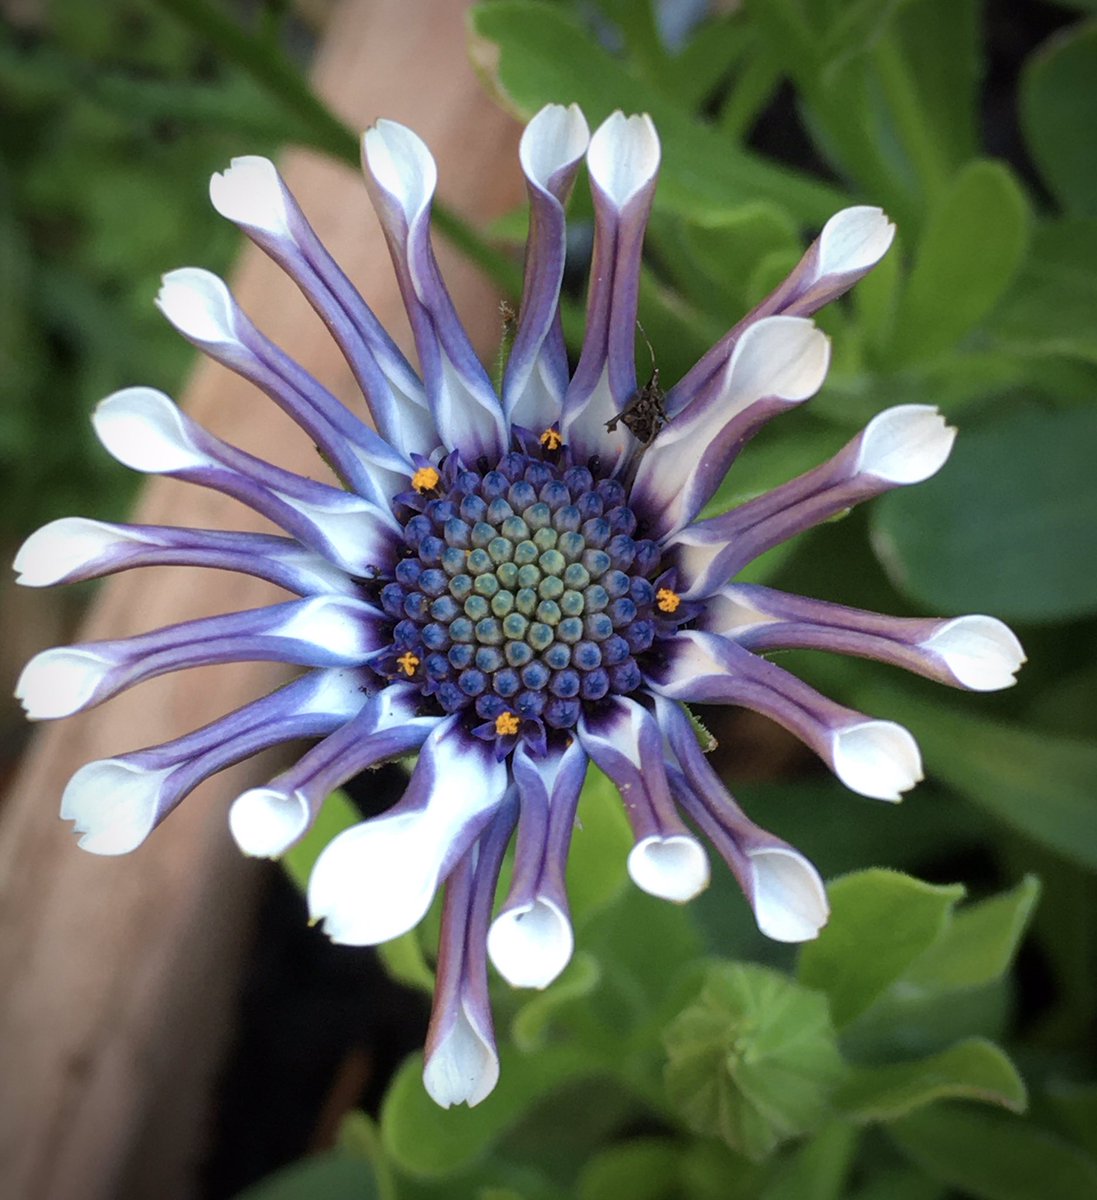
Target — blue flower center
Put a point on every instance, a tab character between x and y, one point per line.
524	593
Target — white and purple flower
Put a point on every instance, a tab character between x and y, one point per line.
509	585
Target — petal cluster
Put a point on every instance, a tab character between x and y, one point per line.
484	550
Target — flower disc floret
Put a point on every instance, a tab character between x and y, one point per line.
524	593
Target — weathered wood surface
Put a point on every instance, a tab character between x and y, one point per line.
118	974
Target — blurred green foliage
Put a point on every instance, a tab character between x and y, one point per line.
114	117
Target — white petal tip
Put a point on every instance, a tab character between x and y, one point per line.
553	141
63	549
463	1068
623	156
982	653
854	240
790	901
785	357
114	805
672	868
266	822
58	683
399	162
249	192
199	305
144	430
373	882
530	945
905	444
878	759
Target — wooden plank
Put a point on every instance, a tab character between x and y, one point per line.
118	974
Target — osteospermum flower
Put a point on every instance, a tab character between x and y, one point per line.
511	585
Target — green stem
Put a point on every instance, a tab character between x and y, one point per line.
269	68
903	100
752	91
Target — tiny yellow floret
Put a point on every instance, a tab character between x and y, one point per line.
551	439
666	600
407	663
425	479
506	724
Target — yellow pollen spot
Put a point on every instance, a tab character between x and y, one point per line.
407	663
666	600
425	480
506	724
551	439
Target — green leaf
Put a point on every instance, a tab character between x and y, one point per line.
1075	1104
753	1060
833	89
360	1138
889	90
1050	310
532	1022
335	1175
644	1169
942	49
596	871
779	454
271	69
908	1022
1008	527
425	1141
405	962
841	832
717	45
534	54
772	269
713	1171
880	923
875	299
1043	785
726	248
817	1170
559	1134
954	990
980	943
644	946
991	1156
897	1184
1058	113
338	813
974	1069
750	92
972	246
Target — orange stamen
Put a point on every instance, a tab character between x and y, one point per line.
666	600
408	662
506	724
551	439
425	480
